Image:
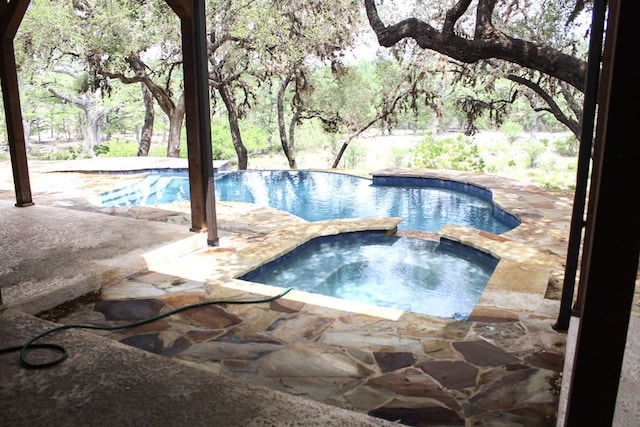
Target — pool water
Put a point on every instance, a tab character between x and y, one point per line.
420	276
315	196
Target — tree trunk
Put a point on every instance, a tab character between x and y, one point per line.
234	127
26	125
291	154
94	116
147	127
176	119
93	111
286	141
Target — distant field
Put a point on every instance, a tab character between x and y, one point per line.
375	151
502	158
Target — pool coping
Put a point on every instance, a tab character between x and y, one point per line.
526	252
517	285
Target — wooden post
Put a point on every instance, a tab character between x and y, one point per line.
612	235
198	121
11	15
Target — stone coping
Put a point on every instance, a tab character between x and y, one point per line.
518	284
531	255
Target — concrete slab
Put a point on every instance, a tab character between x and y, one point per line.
107	383
52	255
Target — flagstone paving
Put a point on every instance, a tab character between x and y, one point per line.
502	366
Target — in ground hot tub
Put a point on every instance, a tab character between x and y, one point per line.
443	279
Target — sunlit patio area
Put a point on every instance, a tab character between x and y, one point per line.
113	266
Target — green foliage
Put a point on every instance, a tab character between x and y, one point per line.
354	154
275	37
221	143
567	147
253	137
310	136
533	150
70	153
448	153
400	156
101	149
160	151
512	131
117	148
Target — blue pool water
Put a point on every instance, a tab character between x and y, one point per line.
444	280
317	196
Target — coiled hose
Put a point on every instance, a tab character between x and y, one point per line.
32	345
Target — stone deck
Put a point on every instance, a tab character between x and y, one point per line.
501	367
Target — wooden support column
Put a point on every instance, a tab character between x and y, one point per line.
11	15
612	235
198	120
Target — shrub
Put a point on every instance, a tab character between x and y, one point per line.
253	138
354	154
567	147
512	131
101	149
448	153
400	156
533	149
70	153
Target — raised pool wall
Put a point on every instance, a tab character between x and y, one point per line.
518	282
447	184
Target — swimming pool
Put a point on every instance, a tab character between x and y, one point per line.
424	205
443	279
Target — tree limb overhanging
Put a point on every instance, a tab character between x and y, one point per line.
488	42
554	109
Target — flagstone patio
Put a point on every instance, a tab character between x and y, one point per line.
501	367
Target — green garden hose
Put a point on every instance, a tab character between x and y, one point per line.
31	344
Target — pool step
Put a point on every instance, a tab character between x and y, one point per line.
514	287
519	282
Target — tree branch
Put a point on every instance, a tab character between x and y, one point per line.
120	76
453	15
554	109
490	43
484	26
77	101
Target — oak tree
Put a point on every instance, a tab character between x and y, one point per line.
540	46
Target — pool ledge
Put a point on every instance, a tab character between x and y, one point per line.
236	261
519	282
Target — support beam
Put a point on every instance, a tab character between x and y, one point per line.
198	120
11	15
182	8
612	236
584	162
